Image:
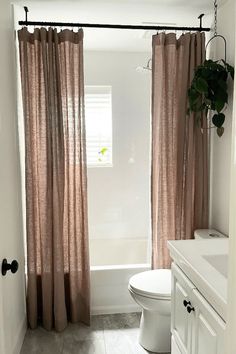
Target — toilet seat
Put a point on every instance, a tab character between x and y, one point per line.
152	283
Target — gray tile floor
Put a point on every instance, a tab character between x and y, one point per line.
108	334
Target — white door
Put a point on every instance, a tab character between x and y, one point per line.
12	287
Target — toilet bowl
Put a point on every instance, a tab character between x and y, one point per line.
152	291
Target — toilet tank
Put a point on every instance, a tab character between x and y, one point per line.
207	233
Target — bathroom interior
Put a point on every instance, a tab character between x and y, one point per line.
155	267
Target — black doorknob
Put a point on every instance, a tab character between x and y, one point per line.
186	303
13	266
190	309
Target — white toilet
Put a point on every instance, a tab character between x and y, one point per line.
152	291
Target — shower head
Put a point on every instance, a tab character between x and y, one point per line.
143	69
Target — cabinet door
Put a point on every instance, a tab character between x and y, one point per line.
174	347
181	320
208	329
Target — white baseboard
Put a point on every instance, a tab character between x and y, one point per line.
20	337
105	310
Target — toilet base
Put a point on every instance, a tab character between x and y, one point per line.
155	333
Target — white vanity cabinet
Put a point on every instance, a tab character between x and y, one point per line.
196	327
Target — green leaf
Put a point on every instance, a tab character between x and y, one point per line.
223	75
197	106
193	96
208	62
218	119
207	102
221	95
201	85
229	68
213	106
222	84
231	71
219	105
103	151
220	131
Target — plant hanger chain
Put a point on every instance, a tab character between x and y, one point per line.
215	19
215	34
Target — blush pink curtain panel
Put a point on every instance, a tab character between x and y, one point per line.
179	149
56	183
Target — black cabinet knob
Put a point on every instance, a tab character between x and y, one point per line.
190	309
13	266
186	303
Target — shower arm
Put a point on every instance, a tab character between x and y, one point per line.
113	26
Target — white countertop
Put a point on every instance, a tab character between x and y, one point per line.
205	264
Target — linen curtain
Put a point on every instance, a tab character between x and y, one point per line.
179	183
56	191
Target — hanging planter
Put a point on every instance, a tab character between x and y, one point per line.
209	87
209	91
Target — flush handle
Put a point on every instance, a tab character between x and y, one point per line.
13	266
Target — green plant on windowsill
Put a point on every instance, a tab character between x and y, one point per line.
209	91
102	153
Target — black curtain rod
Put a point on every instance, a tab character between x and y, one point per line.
104	25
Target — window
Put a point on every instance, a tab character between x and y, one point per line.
98	118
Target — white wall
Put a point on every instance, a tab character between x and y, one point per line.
12	287
221	147
119	196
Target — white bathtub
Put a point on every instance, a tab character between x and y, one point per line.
113	262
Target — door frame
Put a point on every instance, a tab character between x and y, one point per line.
231	303
2	334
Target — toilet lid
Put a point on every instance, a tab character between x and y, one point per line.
153	283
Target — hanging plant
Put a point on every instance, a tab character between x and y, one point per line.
209	91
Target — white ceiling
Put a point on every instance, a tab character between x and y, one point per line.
179	12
